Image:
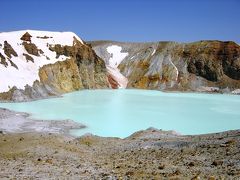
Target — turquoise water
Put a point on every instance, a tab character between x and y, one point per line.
119	113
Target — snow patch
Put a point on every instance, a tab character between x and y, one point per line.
116	74
236	91
153	52
175	69
132	57
63	38
27	72
116	55
116	58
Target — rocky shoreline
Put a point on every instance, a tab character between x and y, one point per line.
19	122
51	153
205	90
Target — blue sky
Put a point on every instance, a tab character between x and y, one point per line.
127	20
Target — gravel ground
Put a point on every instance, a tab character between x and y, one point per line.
148	154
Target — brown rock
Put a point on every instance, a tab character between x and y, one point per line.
91	68
28	57
162	166
217	163
211	59
49	161
83	70
3	60
44	37
26	37
230	142
31	48
211	178
8	50
196	178
191	164
114	84
12	64
129	173
63	76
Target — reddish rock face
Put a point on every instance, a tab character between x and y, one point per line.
213	59
114	84
178	66
230	55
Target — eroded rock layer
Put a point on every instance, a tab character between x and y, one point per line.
199	66
39	64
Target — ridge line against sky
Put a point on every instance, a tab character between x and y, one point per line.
127	20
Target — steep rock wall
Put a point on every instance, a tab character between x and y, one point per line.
58	66
198	66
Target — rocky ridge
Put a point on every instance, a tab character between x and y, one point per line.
39	64
212	66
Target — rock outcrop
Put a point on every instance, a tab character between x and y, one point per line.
48	66
31	48
26	37
91	70
28	57
200	66
8	50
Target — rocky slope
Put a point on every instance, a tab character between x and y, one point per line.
199	66
39	64
150	154
42	150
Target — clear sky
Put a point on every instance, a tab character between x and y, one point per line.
127	20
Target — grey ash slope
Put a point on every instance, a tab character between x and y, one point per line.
198	66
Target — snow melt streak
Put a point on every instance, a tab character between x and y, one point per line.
116	58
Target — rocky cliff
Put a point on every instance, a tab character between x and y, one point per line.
39	64
198	66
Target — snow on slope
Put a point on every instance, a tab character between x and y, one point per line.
153	52
116	55
116	58
27	72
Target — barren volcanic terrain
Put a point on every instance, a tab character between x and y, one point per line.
41	64
149	154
